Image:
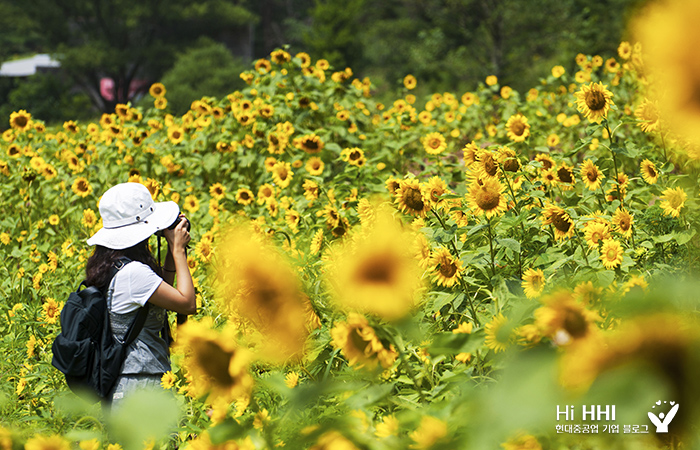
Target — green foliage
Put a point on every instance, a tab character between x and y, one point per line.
207	69
49	96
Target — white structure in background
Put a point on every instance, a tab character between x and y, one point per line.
28	66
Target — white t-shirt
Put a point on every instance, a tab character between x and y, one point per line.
133	286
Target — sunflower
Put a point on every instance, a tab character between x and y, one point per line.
553	140
430	432
157	90
310	190
81	187
565	177
55	442
360	344
485	197
214	364
611	253
486	164
672	201
191	204
282	174
469	153
354	156
244	196
411	199
549	177
409	81
280	56
160	103
176	134
254	282
622	222
668	32
546	161
446	269
591	175
265	193
508	159
594	101
491	80
647	115
499	333
51	310
518	128
649	172
564	320
309	143
596	232
217	191
559	219
89	219
434	143
434	189
377	272
533	282
21	120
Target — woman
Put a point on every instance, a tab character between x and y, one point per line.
129	218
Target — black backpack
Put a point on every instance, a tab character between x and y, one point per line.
86	351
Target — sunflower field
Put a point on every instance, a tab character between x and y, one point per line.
483	269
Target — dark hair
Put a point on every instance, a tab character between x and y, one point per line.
98	267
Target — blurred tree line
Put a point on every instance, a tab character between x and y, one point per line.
198	47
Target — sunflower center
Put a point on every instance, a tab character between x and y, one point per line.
490	166
448	270
311	145
592	175
357	341
564	175
675	201
517	128
487	199
434	143
215	361
575	324
82	186
595	100
413	199
561	222
244	196
377	271
611	254
624	224
21	121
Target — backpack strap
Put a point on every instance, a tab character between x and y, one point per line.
137	325
140	319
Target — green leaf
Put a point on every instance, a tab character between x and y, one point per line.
509	243
453	343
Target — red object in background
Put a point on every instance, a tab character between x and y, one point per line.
107	88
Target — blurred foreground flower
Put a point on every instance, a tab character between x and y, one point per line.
215	364
255	283
668	33
377	271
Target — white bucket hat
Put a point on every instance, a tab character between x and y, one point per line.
129	216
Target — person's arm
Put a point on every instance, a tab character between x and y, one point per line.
181	299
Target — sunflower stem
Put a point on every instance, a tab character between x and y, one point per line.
462	283
493	256
617	176
663	147
410	371
583	249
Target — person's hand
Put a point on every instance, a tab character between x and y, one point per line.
179	237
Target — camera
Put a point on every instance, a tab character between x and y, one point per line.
174	224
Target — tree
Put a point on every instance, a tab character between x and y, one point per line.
127	40
207	69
